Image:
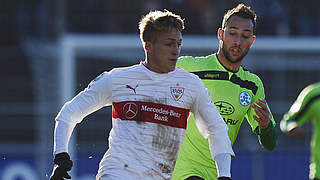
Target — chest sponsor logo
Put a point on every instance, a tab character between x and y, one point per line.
224	108
130	110
230	121
245	98
151	112
176	92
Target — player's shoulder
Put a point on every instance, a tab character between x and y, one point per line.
195	59
312	90
124	70
193	63
250	76
313	87
190	77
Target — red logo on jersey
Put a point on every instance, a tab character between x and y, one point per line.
176	92
151	112
133	89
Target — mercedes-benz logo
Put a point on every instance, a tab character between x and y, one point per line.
130	110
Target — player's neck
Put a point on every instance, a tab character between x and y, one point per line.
152	67
231	66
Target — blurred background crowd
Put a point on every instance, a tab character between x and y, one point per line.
43	18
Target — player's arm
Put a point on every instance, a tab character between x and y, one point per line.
289	125
91	99
300	112
261	120
212	126
265	130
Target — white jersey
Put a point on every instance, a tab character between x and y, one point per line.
149	118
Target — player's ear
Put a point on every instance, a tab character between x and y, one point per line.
220	34
147	46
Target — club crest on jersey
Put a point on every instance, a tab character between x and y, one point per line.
245	98
176	92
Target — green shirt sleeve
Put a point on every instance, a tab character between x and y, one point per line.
267	137
302	110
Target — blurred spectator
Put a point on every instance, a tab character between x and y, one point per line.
32	19
281	18
151	5
8	28
209	19
305	17
275	17
88	16
36	18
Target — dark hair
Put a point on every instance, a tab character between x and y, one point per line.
158	21
242	11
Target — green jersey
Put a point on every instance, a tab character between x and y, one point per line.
304	108
232	93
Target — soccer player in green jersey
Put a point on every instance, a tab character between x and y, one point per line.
237	93
304	108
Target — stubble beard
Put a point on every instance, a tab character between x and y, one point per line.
228	56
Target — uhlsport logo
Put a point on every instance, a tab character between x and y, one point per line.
245	98
176	92
224	107
130	110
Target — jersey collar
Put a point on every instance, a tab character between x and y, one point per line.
224	66
156	76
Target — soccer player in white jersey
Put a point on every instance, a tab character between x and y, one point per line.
151	103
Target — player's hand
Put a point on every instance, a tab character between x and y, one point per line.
263	114
295	132
62	165
224	178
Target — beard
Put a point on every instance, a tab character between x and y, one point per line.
226	54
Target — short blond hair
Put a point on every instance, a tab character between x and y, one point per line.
158	21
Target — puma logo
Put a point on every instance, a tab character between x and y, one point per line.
133	89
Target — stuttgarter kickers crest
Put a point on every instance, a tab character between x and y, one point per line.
245	98
176	92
